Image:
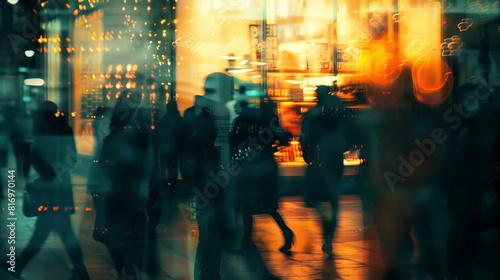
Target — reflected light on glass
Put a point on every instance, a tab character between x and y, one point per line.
240	70
29	53
229	57
330	78
34	82
254	93
295	82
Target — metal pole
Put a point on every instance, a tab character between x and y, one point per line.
172	88
335	27
264	47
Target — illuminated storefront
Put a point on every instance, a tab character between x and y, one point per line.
287	48
281	48
113	46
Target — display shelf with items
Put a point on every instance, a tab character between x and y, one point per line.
290	157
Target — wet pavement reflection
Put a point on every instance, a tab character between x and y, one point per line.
356	248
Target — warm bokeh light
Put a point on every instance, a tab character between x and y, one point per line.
29	53
432	79
34	82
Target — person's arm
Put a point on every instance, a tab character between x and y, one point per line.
41	166
303	138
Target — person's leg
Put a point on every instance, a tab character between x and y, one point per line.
43	227
287	232
325	217
429	225
172	177
26	158
124	267
208	252
70	242
394	234
154	206
329	223
247	227
459	252
334	210
279	220
326	229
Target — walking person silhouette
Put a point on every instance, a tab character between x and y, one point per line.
170	133
258	181
323	144
124	162
208	121
54	144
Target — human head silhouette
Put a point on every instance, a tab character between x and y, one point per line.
322	93
127	103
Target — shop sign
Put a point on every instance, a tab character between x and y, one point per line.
272	50
278	93
318	56
255	42
346	58
271	30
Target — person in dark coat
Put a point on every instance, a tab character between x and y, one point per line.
407	162
323	144
208	122
21	128
171	133
124	162
210	212
3	150
474	196
256	185
54	155
96	181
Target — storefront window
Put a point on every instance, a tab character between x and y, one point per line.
109	48
217	36
282	49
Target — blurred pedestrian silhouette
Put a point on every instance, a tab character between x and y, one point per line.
323	144
54	155
210	212
125	163
474	196
3	150
21	128
208	120
409	158
97	183
169	135
257	183
218	90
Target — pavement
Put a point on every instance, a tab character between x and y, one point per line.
357	254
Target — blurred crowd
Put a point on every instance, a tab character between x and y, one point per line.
429	185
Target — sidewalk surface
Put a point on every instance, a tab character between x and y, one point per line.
357	254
